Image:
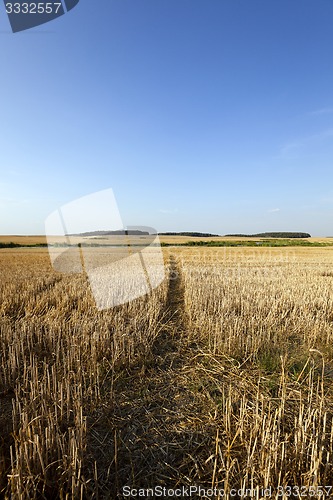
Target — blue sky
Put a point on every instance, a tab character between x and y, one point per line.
212	115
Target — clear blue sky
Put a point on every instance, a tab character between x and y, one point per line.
206	115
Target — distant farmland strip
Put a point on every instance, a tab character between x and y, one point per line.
195	243
11	244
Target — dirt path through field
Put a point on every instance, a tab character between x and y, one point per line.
155	417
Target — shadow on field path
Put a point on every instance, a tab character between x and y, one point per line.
166	346
157	417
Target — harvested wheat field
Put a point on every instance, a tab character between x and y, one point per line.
221	377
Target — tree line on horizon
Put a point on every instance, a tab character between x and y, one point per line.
240	235
273	235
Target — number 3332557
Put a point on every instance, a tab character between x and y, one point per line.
33	8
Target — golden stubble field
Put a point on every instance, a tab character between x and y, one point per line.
221	377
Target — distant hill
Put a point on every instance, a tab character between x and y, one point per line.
137	232
134	232
272	235
193	234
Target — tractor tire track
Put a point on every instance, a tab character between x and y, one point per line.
153	416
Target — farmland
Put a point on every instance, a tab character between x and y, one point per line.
222	376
